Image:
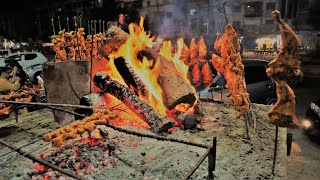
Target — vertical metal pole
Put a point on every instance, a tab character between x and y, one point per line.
59	23
68	24
95	26
52	23
246	121
80	21
212	159
103	26
89	28
225	12
275	151
91	65
99	25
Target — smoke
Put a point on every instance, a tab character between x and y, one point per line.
187	18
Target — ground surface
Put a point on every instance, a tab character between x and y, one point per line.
237	158
304	161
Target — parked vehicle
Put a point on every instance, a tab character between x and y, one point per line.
31	63
3	54
312	117
261	88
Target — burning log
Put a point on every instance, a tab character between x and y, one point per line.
157	122
169	75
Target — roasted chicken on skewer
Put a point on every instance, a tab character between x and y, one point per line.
230	65
283	69
76	128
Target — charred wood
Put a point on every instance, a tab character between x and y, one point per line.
157	122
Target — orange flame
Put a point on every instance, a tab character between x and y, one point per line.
147	69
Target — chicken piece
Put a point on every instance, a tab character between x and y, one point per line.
207	75
286	65
196	75
218	63
283	112
89	127
218	43
184	53
230	65
202	48
193	49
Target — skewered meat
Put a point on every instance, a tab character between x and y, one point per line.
285	68
23	94
230	65
193	49
218	63
207	75
70	44
59	45
76	128
196	78
202	48
283	112
184	54
286	65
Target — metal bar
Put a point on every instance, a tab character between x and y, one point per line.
225	12
157	137
211	160
246	121
45	163
275	150
52	104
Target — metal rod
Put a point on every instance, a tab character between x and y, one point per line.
68	24
212	159
225	12
157	137
52	23
51	104
76	30
40	161
246	119
103	26
80	21
89	28
95	26
100	25
203	157
59	23
275	150
91	60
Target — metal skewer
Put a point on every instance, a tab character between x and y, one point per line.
89	28
99	25
80	19
68	24
95	26
54	31
103	24
59	23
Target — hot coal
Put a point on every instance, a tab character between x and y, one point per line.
191	121
83	157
